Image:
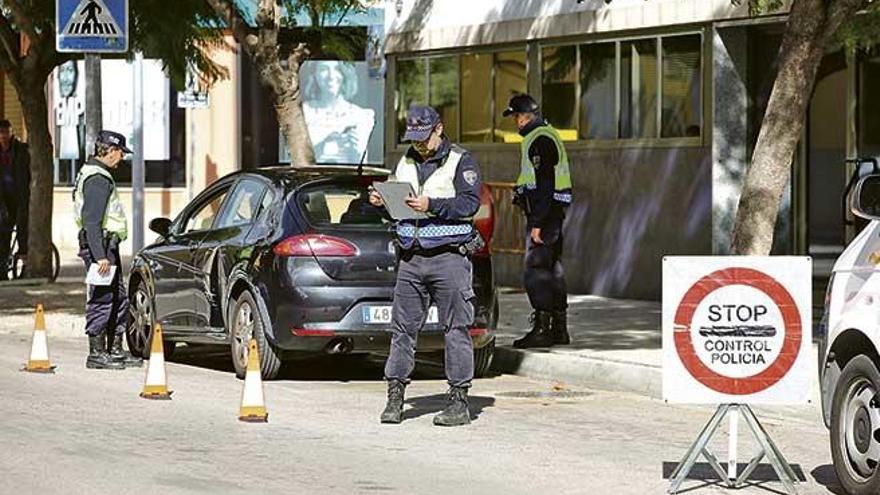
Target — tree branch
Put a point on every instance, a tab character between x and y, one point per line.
838	12
9	38
22	18
241	31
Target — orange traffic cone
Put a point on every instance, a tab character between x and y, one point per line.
253	407
38	362
155	386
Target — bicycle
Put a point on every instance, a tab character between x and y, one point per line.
15	264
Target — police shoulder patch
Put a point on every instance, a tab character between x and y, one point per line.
470	177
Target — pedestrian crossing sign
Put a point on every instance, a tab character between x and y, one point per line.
91	25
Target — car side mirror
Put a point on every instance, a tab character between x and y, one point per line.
866	198
160	226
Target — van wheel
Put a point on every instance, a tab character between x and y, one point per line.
855	427
483	359
246	322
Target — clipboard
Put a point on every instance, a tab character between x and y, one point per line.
394	196
95	278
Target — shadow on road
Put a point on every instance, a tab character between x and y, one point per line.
825	476
760	478
345	368
431	404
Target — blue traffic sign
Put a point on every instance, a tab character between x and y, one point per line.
91	25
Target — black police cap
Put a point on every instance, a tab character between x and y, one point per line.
521	103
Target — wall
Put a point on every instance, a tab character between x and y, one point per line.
632	206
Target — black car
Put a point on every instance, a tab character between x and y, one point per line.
296	258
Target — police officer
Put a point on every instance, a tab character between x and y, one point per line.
434	262
101	219
543	191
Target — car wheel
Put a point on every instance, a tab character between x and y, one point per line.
855	427
139	334
483	359
246	322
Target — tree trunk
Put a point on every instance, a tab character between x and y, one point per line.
36	117
810	25
292	121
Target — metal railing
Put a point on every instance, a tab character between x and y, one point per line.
510	223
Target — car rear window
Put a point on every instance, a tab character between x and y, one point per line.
339	204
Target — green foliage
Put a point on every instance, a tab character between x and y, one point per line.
181	33
324	33
862	32
757	7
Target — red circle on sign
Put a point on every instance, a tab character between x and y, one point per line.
791	318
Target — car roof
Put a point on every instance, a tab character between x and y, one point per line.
302	175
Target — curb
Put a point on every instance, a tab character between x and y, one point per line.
586	371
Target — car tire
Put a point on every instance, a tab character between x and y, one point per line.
245	321
139	334
483	359
855	427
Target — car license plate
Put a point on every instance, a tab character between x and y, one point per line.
382	314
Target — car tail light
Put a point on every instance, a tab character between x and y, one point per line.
479	332
315	245
484	220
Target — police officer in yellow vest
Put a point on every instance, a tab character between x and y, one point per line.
543	191
434	262
101	218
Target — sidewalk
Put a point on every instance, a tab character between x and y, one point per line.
615	344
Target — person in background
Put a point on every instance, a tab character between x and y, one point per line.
543	191
15	193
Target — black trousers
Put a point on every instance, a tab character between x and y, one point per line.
106	305
544	275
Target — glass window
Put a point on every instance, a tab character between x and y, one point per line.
444	92
681	86
559	87
339	204
869	107
204	216
638	89
598	119
510	79
411	89
243	205
476	98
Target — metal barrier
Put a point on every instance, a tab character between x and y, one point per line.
510	223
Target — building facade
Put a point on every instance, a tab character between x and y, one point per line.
660	103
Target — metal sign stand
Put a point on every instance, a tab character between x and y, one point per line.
700	448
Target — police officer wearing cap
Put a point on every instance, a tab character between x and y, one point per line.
434	262
543	191
101	218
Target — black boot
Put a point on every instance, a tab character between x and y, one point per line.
457	412
559	328
540	335
119	354
393	412
98	358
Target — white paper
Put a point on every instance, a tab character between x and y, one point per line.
95	278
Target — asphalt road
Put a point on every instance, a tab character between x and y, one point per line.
86	431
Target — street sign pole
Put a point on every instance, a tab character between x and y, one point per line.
93	101
137	162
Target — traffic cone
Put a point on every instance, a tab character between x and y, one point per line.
155	386
38	362
253	407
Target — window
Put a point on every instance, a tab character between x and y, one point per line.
559	83
204	216
243	205
598	73
412	86
638	89
340	204
681	86
510	80
476	98
443	85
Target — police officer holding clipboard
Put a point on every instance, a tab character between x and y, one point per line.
434	262
101	218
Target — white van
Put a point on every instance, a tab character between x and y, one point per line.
849	336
